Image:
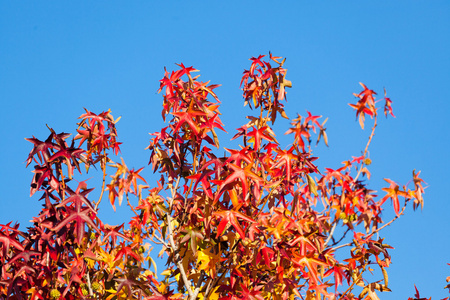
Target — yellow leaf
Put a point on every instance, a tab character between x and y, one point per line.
212	296
312	185
166	272
154	265
207	261
162	288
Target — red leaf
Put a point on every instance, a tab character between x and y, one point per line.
230	217
81	217
242	175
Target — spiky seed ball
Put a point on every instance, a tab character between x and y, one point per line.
55	294
95	286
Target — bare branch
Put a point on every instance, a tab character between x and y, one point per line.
176	255
331	234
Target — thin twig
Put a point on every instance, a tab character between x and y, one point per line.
102	191
372	134
331	234
377	230
341	246
162	241
104	180
353	283
390	222
199	284
343	236
131	206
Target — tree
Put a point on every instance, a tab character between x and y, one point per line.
261	222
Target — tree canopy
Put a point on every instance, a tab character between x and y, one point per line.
262	221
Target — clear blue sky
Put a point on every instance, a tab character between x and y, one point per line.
57	57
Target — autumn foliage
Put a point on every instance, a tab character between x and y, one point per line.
261	222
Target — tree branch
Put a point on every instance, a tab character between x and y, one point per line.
331	234
176	255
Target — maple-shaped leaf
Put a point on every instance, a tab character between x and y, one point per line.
24	270
43	175
300	130
361	110
284	157
256	61
81	217
230	217
339	274
313	120
237	156
258	134
192	235
41	149
242	174
306	245
25	255
204	178
367	95
100	132
124	181
209	125
393	191
35	293
132	178
113	232
126	282
322	133
70	155
78	198
126	251
94	118
365	105
207	261
266	253
8	240
253	294
188	117
312	264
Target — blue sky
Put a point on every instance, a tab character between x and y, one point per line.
58	57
